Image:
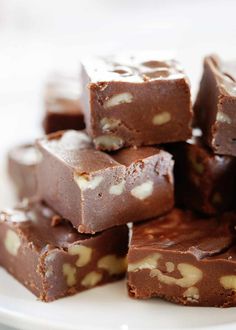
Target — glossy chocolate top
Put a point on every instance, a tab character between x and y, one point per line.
182	231
25	154
225	73
42	226
75	148
129	68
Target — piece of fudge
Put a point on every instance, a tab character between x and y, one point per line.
135	100
184	259
95	190
216	105
63	105
48	256
22	161
204	182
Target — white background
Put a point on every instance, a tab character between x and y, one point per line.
38	36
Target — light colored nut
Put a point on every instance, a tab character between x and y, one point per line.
192	294
108	124
13	216
85	182
223	118
91	279
170	267
118	99
190	276
108	142
69	272
83	252
149	262
162	118
228	282
113	264
49	271
117	189
143	191
12	242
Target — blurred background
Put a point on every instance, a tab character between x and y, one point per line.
40	36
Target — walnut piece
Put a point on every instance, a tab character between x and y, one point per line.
143	191
108	124
161	118
228	282
113	264
12	242
118	99
83	252
192	294
91	279
190	276
108	142
85	182
170	266
149	262
117	189
223	118
69	272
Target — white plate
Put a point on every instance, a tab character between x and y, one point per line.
104	308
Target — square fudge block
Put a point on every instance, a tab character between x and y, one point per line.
22	161
184	259
50	258
63	108
95	190
135	100
216	105
204	182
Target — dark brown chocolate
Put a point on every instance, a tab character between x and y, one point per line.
204	182
126	100
52	259
22	162
63	105
184	259
216	104
96	190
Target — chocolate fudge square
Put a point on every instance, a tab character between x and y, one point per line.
135	100
22	161
50	258
216	105
96	190
204	182
63	108
185	259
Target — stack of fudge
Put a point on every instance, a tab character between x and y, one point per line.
123	151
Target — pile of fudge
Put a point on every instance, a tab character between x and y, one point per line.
129	149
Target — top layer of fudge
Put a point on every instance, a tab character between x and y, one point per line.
127	101
184	258
97	190
216	104
62	104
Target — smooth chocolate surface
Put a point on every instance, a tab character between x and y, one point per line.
47	255
96	190
184	259
63	105
126	100
22	162
216	104
204	182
